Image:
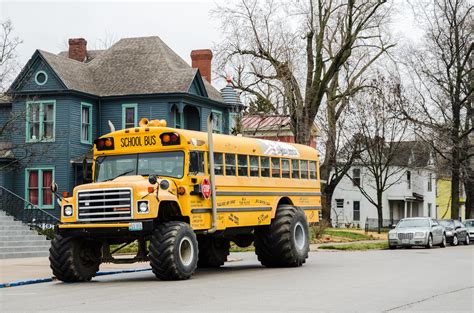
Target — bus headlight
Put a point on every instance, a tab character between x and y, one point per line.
67	210
143	207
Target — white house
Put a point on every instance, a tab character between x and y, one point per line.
412	193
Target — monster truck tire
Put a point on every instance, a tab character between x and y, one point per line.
213	251
285	242
74	259
173	251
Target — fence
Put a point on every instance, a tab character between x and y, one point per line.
25	211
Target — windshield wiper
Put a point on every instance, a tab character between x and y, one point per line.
121	174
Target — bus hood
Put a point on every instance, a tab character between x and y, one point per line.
137	182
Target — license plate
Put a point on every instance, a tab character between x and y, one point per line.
405	240
135	226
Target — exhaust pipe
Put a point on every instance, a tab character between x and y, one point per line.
210	145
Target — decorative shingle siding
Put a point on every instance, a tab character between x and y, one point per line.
29	83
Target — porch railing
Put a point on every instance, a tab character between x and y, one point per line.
25	211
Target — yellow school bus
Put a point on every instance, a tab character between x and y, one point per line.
183	196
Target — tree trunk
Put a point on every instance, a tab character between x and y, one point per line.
379	212
455	175
469	187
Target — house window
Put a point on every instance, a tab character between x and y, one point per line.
429	209
356	211
356	177
38	182
40	121
129	115
86	123
339	203
409	179
178	122
41	78
430	182
217	122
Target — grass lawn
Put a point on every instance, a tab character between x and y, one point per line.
346	234
357	246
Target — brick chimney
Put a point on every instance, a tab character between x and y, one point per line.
201	59
78	49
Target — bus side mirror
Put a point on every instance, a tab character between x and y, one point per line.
152	179
54	187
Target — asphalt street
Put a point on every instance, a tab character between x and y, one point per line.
407	280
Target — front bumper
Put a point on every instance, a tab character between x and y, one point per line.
408	242
133	229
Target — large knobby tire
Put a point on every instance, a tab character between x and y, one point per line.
213	251
173	251
74	259
285	242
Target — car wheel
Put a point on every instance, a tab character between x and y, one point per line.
455	241
467	241
443	242
392	247
429	245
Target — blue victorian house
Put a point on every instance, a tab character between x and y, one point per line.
60	103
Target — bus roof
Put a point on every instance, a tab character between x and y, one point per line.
229	143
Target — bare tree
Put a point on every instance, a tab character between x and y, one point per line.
8	54
306	53
442	79
379	140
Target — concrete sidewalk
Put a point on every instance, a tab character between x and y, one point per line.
12	270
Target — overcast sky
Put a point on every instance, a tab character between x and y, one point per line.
183	25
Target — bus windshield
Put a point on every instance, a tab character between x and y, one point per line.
169	164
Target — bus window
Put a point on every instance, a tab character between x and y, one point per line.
230	164
312	170
285	168
253	165
295	168
196	162
265	167
275	167
243	165
304	169
218	164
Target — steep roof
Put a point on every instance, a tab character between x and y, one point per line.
413	154
142	65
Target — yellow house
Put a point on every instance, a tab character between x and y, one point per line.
443	199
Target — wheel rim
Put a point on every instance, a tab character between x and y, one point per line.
430	241
467	240
444	240
186	251
299	236
455	240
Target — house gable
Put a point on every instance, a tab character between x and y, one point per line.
197	86
37	75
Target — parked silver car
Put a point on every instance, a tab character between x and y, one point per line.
470	227
417	231
455	231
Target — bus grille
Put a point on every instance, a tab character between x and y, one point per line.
104	205
402	236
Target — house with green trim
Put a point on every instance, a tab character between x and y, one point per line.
60	103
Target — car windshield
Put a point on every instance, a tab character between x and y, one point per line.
414	223
169	164
469	223
446	223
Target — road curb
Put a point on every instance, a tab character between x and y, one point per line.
50	279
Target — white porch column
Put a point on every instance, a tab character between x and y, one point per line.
405	210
